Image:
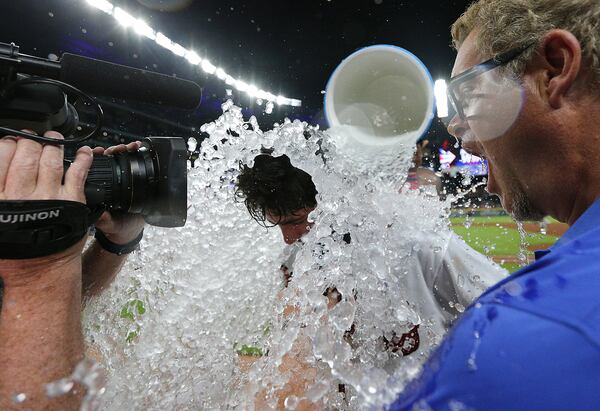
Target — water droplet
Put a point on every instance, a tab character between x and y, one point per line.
291	402
468	222
317	391
192	143
58	388
227	106
513	288
457	406
421	406
342	315
269	107
19	398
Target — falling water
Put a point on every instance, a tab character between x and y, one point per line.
170	328
524	243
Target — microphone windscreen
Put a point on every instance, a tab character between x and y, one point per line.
118	81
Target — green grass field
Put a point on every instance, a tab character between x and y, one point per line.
498	238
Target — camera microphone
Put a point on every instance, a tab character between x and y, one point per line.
101	77
108	79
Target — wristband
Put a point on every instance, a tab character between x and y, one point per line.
38	228
118	249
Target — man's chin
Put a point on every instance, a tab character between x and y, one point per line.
521	209
509	206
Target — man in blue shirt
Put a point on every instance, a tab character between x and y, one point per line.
531	342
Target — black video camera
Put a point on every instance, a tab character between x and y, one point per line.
38	94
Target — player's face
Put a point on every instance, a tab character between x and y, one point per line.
293	226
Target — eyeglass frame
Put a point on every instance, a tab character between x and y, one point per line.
478	69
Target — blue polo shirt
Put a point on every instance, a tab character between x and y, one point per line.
531	342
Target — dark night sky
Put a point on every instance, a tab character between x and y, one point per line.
287	47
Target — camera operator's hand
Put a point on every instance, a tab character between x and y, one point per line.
100	266
120	228
30	171
40	330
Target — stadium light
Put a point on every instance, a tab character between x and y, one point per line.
241	85
126	19
221	74
193	57
208	67
143	29
178	49
441	98
103	5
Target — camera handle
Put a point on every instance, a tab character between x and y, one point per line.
43	102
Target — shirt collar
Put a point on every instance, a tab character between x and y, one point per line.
540	253
588	221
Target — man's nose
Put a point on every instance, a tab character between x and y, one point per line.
289	235
458	127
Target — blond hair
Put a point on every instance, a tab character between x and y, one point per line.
506	24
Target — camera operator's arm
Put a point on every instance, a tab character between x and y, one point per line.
40	331
100	266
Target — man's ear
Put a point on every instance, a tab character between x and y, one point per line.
561	56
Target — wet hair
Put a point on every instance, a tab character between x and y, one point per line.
274	185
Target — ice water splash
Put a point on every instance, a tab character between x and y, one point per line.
170	328
167	328
523	245
389	231
90	376
19	398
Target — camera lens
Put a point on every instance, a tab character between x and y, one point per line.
151	182
125	182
